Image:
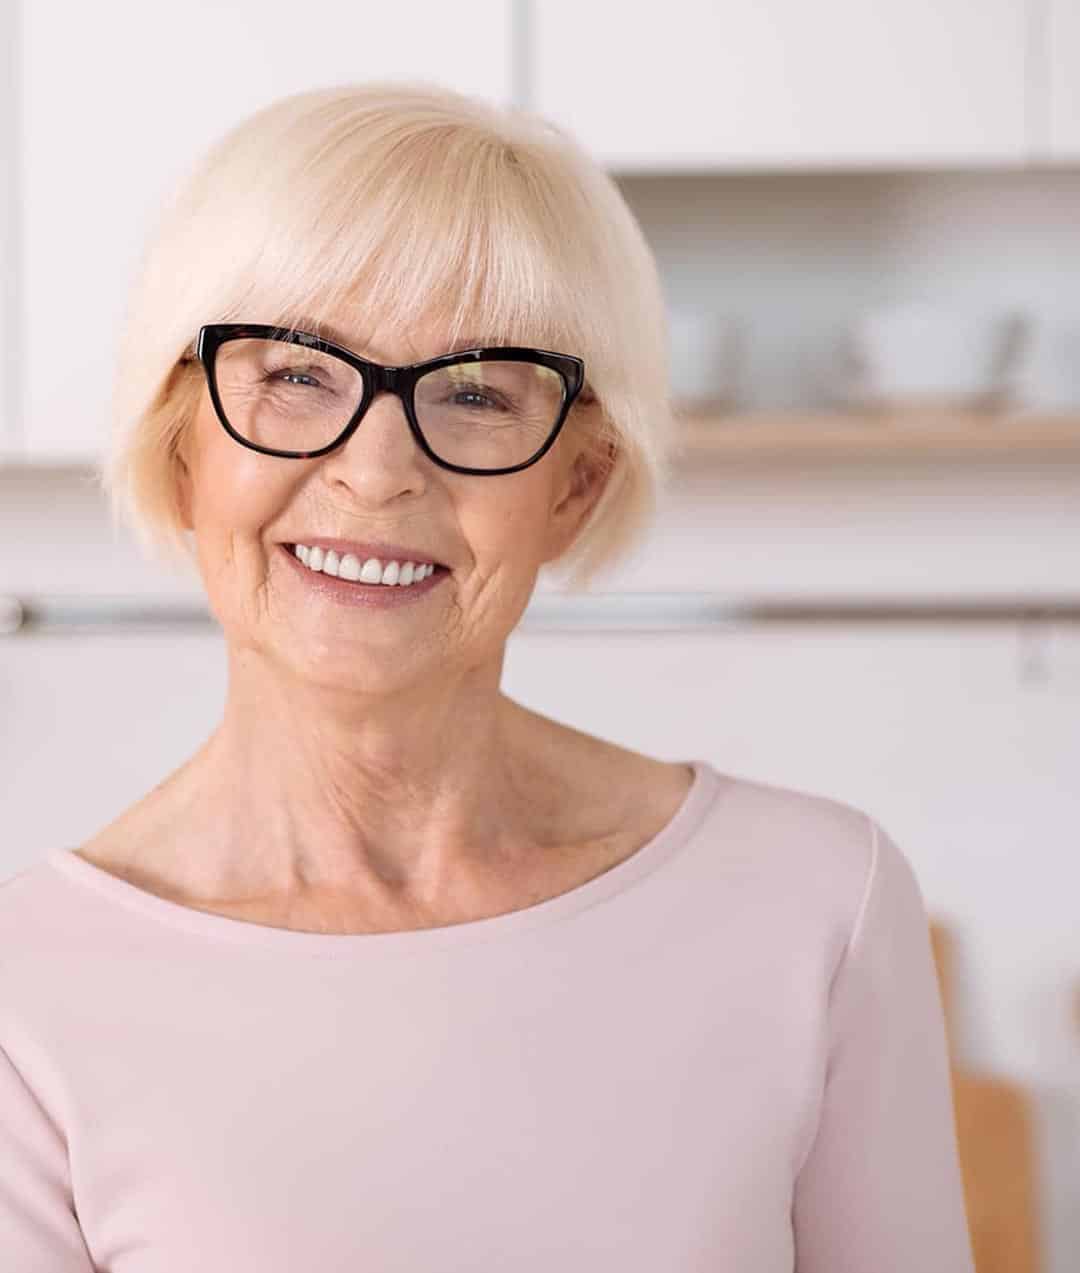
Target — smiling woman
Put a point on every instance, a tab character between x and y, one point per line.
395	973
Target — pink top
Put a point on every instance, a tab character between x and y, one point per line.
727	1052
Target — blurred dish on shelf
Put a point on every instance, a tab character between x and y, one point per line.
920	360
1049	381
706	349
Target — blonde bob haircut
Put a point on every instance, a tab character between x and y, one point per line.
399	202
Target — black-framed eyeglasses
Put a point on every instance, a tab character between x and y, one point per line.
289	393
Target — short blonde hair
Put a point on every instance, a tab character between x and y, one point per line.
438	204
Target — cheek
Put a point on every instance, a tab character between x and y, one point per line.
510	526
236	490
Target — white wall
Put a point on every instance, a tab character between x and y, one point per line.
964	742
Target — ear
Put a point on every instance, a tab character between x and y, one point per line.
582	486
183	481
183	445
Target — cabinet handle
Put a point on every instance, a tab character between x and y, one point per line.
598	612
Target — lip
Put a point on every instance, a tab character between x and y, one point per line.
347	592
364	549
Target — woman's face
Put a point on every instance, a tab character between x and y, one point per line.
493	533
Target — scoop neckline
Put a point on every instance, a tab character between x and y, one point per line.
648	857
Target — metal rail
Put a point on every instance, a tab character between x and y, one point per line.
615	611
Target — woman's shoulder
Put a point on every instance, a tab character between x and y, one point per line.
39	926
780	829
820	858
795	828
21	888
802	863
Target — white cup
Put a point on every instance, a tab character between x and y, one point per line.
705	349
923	355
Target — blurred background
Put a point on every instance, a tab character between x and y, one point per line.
863	580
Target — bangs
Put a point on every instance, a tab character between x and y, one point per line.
452	231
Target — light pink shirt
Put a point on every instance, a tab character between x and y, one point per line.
726	1054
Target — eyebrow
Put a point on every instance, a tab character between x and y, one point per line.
316	327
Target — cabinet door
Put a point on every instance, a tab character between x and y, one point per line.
693	84
119	97
1061	49
9	246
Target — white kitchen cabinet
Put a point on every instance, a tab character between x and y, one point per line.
692	84
9	246
1061	98
119	97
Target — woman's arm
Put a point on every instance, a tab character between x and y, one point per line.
38	1229
880	1190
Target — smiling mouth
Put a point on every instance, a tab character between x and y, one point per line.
437	569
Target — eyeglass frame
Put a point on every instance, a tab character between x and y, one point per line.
377	378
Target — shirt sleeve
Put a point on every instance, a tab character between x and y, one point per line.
880	1189
39	1232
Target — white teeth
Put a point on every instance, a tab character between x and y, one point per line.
348	568
370	571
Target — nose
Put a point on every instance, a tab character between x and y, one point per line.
381	456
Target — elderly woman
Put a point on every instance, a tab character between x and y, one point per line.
394	973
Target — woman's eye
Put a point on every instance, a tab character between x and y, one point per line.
293	377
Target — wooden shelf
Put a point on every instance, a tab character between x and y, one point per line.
847	433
